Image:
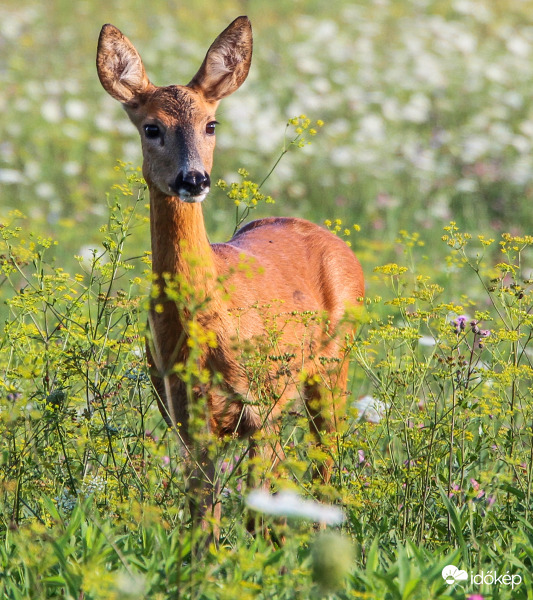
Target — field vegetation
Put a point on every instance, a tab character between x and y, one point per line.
404	126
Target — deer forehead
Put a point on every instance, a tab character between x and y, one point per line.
177	105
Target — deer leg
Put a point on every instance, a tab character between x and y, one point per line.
204	494
264	456
326	404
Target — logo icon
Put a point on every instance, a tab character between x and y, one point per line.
451	574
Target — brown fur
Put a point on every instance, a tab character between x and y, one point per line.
269	274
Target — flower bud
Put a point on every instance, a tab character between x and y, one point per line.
333	557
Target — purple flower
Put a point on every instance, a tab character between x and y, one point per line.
455	488
226	467
475	597
460	323
476	487
482	333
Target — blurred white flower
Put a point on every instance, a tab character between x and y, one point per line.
32	170
391	109
417	109
521	171
496	72
99	145
475	146
104	121
342	156
45	190
370	409
522	144
440	208
289	504
519	46
76	109
72	168
340	127
22	105
526	127
478	10
427	340
51	110
324	30
309	64
513	99
130	586
132	152
424	160
467	184
321	85
371	129
428	70
11	176
465	42
501	132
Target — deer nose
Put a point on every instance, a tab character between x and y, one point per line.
191	184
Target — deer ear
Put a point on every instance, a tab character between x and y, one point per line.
119	66
227	62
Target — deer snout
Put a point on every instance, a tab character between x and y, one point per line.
191	186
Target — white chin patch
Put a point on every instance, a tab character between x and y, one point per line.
186	197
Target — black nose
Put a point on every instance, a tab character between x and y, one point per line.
192	183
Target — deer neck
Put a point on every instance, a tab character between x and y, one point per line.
181	252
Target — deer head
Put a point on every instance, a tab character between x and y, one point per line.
177	122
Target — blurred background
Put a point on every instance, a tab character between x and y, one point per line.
426	103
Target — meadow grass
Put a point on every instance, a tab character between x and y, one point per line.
423	166
434	470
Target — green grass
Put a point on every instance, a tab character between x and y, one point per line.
426	147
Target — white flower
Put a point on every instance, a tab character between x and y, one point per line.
417	109
371	129
370	409
45	190
289	504
475	146
76	109
519	46
343	156
467	185
11	176
51	110
72	168
427	340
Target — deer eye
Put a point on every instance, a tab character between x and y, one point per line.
152	131
210	127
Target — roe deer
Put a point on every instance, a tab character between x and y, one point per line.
293	268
